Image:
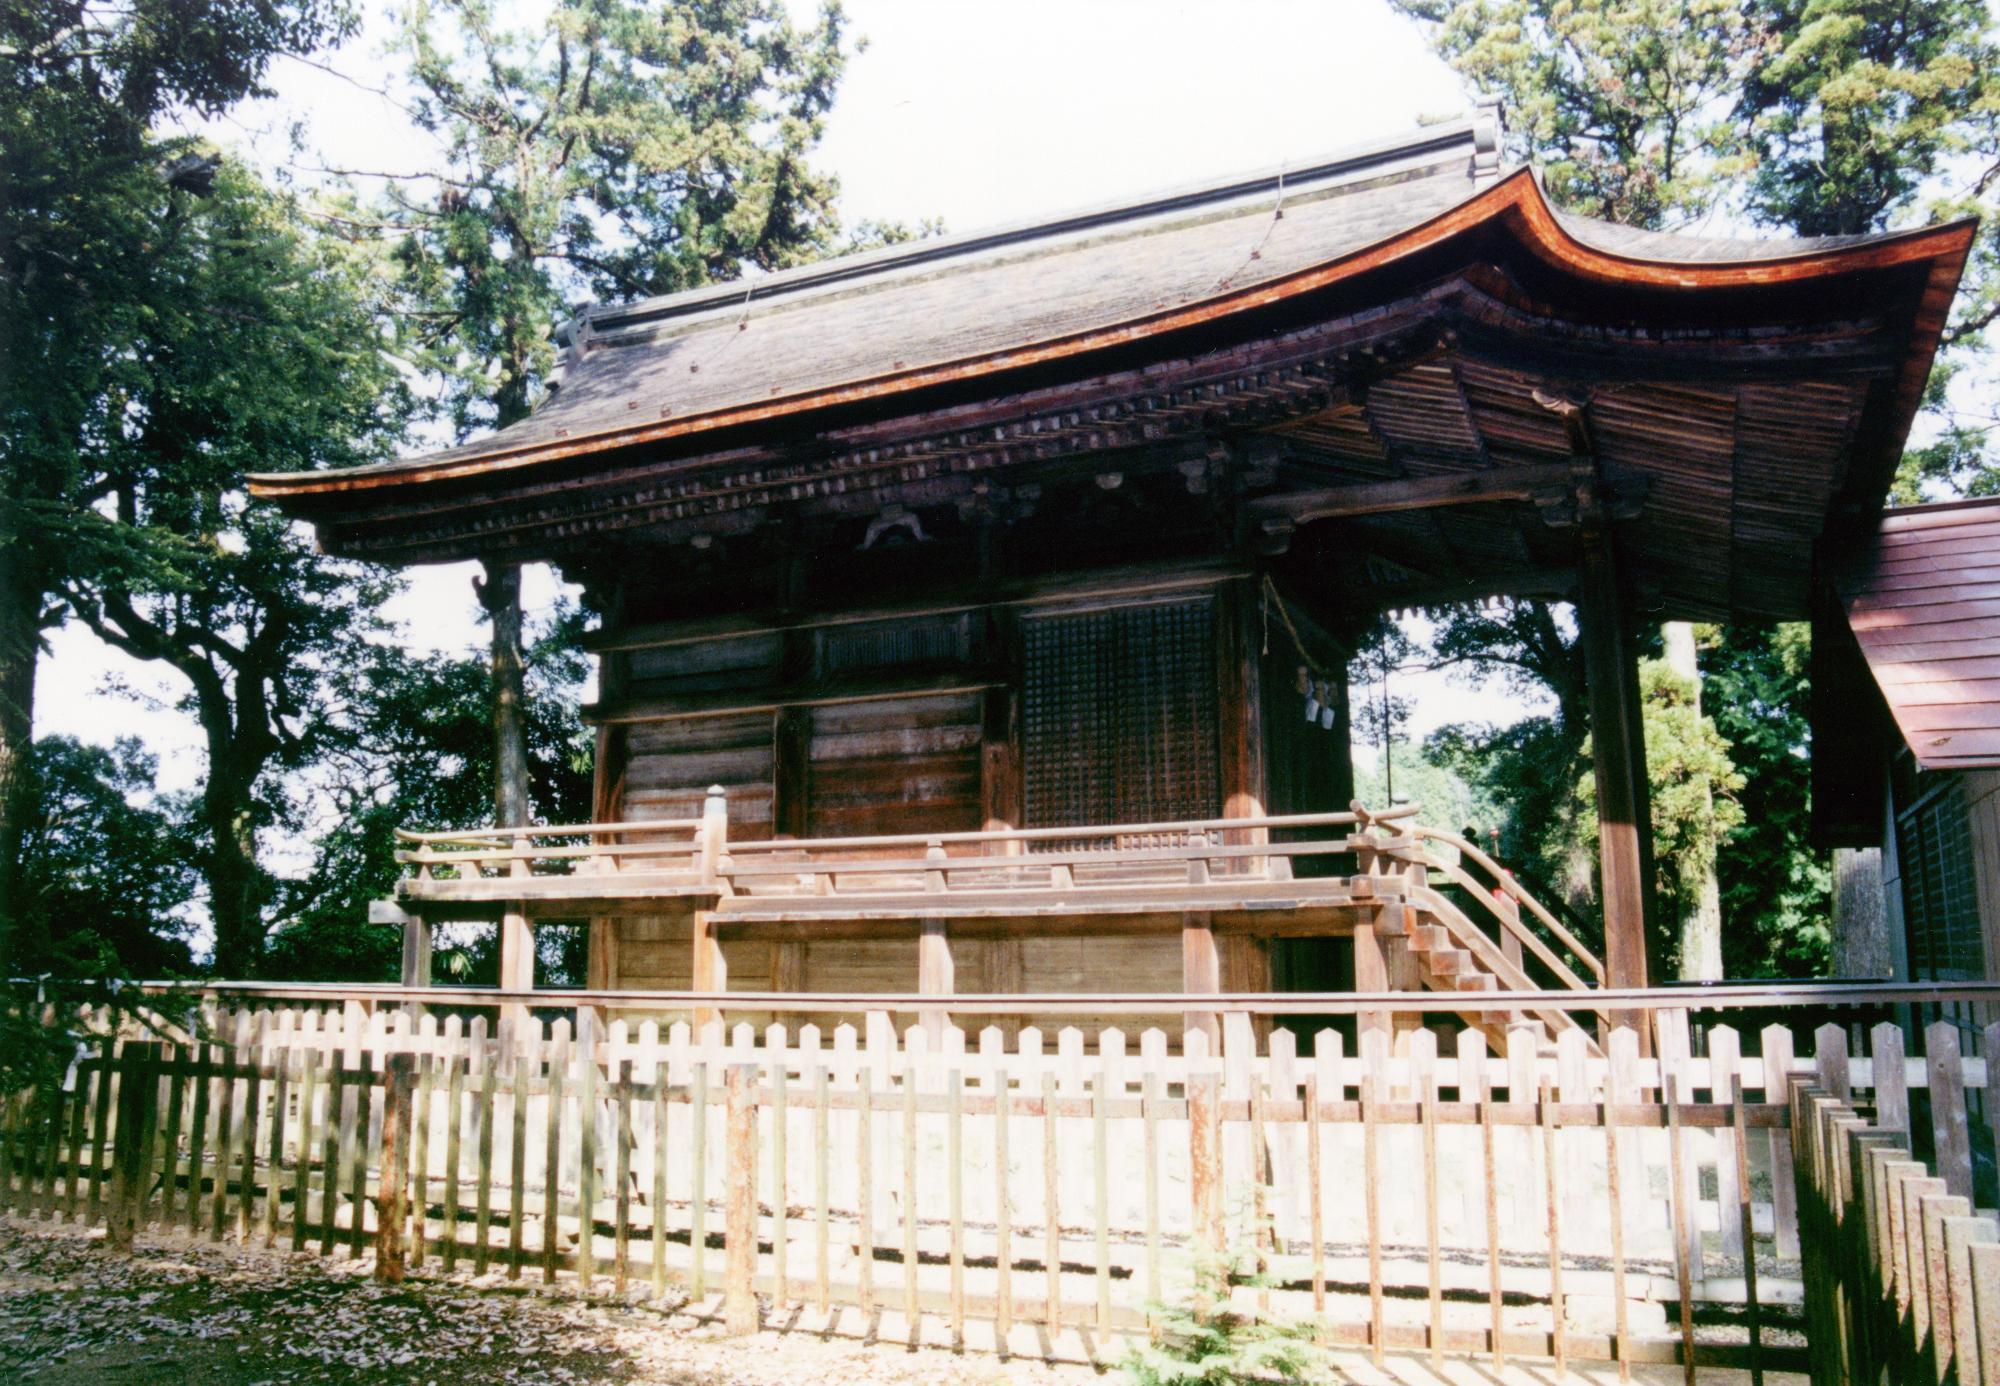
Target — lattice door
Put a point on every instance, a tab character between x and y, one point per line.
1119	714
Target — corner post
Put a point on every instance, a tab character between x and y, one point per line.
416	970
709	970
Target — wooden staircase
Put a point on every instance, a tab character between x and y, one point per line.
1445	950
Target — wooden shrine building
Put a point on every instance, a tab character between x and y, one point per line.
987	578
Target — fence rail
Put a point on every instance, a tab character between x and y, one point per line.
1424	1190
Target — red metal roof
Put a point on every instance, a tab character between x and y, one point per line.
1925	607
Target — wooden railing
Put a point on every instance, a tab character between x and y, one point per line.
1504	899
1031	1193
670	845
1194	863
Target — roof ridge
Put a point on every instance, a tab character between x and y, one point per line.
1477	133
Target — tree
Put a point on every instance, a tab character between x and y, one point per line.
614	150
262	352
1776	890
421	754
1625	105
105	882
84	185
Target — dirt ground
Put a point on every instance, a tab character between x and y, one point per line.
178	1311
187	1312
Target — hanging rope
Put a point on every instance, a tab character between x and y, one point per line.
1323	691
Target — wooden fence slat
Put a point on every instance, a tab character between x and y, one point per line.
622	1228
1003	1207
740	1207
1372	1045
251	1121
1051	1204
1891	1081
910	1188
398	1075
822	1167
1624	1057
955	1199
482	1188
781	1188
106	1080
1945	1072
558	1074
698	1182
1558	1312
1777	1050
454	1136
274	1157
364	1101
302	1161
1747	1236
656	1098
587	1187
330	1180
198	1135
517	1171
420	1152
1725	1060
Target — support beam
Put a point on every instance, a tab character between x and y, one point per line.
1273	520
1371	974
791	771
710	969
1618	745
936	975
1201	975
1240	716
517	970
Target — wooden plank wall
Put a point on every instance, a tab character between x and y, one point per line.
809	732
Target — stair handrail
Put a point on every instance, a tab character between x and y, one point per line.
1506	883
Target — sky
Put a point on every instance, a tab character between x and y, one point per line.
974	111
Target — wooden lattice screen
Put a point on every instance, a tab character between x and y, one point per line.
1119	715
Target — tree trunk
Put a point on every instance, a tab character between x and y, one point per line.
1701	917
20	641
500	594
235	884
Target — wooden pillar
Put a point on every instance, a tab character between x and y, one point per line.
1371	973
517	969
709	970
1240	713
791	771
416	970
1624	815
1000	811
936	975
1201	974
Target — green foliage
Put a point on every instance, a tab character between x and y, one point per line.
267	356
1777	892
94	230
106	879
1854	105
1625	105
612	150
1426	778
421	755
1694	783
1206	1338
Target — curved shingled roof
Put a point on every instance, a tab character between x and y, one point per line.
871	326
